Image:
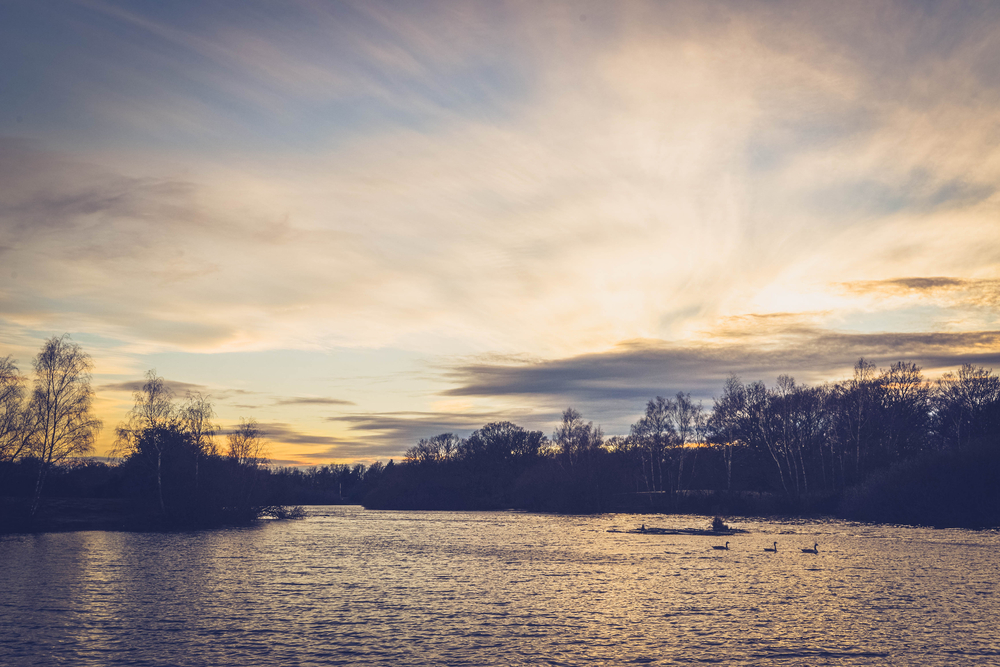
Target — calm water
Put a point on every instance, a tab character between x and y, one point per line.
348	586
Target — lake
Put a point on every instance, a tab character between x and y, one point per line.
346	586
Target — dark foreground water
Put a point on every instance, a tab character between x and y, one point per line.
353	587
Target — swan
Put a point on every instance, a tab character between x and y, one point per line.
725	548
814	550
774	550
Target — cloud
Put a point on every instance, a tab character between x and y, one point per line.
286	433
299	447
302	447
175	387
621	193
557	210
639	370
411	426
312	401
199	76
911	284
958	303
954	291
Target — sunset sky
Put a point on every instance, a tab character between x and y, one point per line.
367	223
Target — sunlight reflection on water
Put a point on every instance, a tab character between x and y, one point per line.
349	586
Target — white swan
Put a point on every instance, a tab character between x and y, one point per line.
774	550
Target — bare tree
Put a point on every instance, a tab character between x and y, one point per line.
447	444
575	437
61	402
967	406
689	427
725	423
858	398
146	433
247	448
656	436
432	450
247	445
14	425
904	411
196	419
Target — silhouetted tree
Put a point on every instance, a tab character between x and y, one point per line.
967	407
689	427
62	424
434	450
903	413
247	453
14	424
855	405
575	438
500	443
170	458
653	436
151	431
724	424
196	419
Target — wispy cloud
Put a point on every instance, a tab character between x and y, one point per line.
303	447
928	284
299	447
589	215
614	199
406	424
312	400
636	371
956	291
177	388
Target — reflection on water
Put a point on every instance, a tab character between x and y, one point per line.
348	586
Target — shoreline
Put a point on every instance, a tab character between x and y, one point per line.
62	515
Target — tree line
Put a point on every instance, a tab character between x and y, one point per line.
166	458
883	438
834	447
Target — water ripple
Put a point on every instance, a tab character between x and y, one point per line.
349	587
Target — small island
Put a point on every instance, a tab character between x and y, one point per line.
718	527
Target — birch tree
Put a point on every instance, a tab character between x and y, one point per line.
14	424
149	429
247	450
63	424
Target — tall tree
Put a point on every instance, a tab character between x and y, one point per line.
247	445
247	451
726	420
150	430
858	396
575	437
196	419
14	424
61	402
655	436
967	407
904	409
764	427
689	427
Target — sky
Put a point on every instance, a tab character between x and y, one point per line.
366	223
